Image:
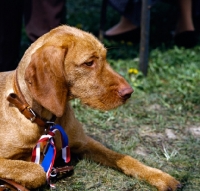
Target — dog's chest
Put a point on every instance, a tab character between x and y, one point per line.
19	141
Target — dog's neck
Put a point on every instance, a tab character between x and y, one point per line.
27	99
44	113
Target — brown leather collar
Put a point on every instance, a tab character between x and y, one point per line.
20	102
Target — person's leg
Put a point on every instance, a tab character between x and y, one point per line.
42	16
124	25
130	16
128	28
10	33
185	22
185	34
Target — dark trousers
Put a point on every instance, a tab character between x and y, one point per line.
39	16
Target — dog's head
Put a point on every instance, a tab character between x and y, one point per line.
72	64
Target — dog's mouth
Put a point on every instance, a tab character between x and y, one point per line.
106	102
103	99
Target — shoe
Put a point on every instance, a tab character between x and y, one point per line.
187	39
129	36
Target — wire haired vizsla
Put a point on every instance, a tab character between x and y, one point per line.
64	64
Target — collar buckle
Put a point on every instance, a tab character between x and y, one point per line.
32	119
50	123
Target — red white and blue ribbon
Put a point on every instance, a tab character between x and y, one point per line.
65	148
50	153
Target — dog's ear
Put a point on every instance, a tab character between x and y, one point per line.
45	78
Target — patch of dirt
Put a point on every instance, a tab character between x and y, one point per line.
141	151
170	134
194	131
154	107
146	131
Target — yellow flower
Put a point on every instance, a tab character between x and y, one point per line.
133	71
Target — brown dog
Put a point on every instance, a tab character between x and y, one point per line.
63	64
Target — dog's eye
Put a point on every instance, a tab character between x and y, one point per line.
89	63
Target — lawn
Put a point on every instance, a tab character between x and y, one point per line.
159	125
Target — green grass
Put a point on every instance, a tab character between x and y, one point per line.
167	100
155	125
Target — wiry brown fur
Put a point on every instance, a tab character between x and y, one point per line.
53	71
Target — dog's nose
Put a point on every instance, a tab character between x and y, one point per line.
125	93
